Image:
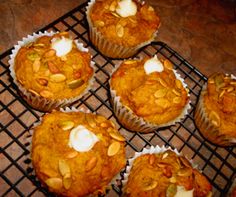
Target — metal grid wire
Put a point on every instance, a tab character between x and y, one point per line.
16	117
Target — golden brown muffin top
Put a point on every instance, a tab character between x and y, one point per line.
158	97
127	31
39	70
165	174
69	172
220	102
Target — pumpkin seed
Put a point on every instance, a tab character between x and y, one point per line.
33	56
149	184
91	164
46	94
42	81
171	190
113	149
160	93
55	183
36	65
57	78
66	125
64	168
117	136
119	30
75	83
67	181
168	64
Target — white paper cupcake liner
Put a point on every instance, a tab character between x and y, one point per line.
36	101
210	131
135	123
152	150
28	140
108	48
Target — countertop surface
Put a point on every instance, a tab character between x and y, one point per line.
202	31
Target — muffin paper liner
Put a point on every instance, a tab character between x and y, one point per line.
210	131
38	102
152	150
28	141
106	46
135	123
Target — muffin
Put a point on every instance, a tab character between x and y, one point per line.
148	94
163	172
215	114
51	70
119	28
76	153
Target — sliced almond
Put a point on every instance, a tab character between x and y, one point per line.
67	181
112	7
164	155
46	94
185	162
99	23
185	172
57	78
215	118
168	64
162	102
119	30
152	159
75	83
177	100
160	93
55	183
178	83
53	68
104	125
91	164
34	92
39	45
105	173
232	83
176	92
36	65
90	120
72	155
99	119
163	83
230	89
117	137
50	53
66	125
64	168
150	9
42	81
172	179
149	185
129	61
222	93
113	149
116	15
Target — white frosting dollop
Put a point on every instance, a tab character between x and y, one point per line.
153	65
126	8
181	192
61	46
81	139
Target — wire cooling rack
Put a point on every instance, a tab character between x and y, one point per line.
16	117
